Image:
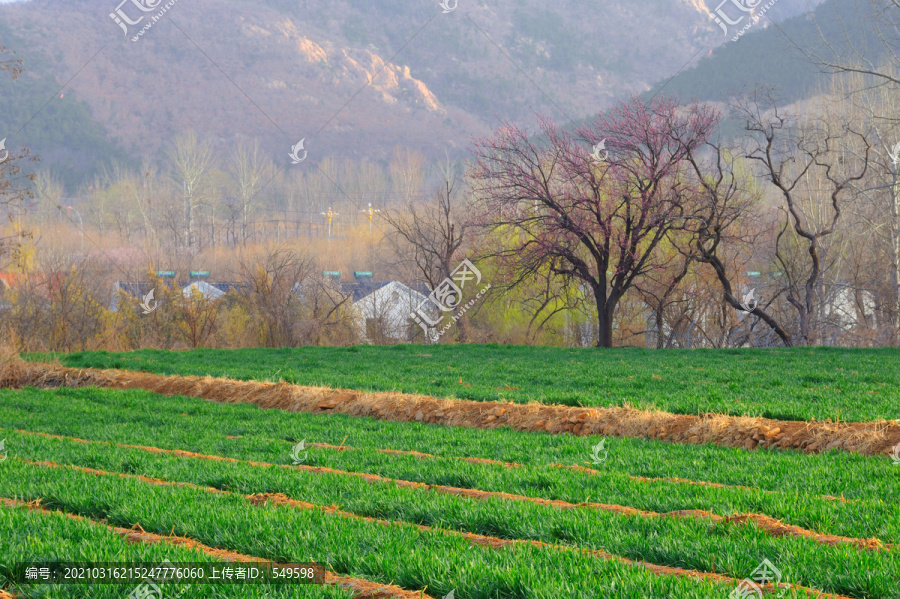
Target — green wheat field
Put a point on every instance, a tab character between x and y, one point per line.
119	434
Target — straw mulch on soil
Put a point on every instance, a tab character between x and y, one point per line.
868	438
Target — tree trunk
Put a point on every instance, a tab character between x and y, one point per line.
605	309
244	218
604	330
895	247
660	334
462	329
189	217
730	300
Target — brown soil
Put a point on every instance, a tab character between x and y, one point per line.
770	525
868	438
363	589
492	542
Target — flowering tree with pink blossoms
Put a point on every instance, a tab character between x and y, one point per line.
594	204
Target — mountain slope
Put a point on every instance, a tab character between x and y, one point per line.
767	56
353	78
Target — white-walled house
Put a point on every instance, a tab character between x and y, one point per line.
385	314
139	290
848	308
207	290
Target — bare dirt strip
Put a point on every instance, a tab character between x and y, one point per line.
868	438
771	526
493	542
363	589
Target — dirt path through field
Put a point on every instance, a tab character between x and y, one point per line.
363	589
493	542
770	525
871	438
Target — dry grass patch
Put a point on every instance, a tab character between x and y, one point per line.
867	438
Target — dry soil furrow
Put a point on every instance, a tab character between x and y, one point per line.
770	525
493	542
363	589
868	438
643	479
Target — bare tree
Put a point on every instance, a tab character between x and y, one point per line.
192	160
250	172
591	218
804	167
144	193
844	47
327	315
49	192
724	222
429	236
15	195
287	303
198	318
269	283
15	185
658	288
407	173
877	210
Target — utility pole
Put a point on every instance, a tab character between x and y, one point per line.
371	213
330	216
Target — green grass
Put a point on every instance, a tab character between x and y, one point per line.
689	543
401	553
792	384
34	536
840	384
788	484
190	423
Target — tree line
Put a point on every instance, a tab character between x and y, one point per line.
646	225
